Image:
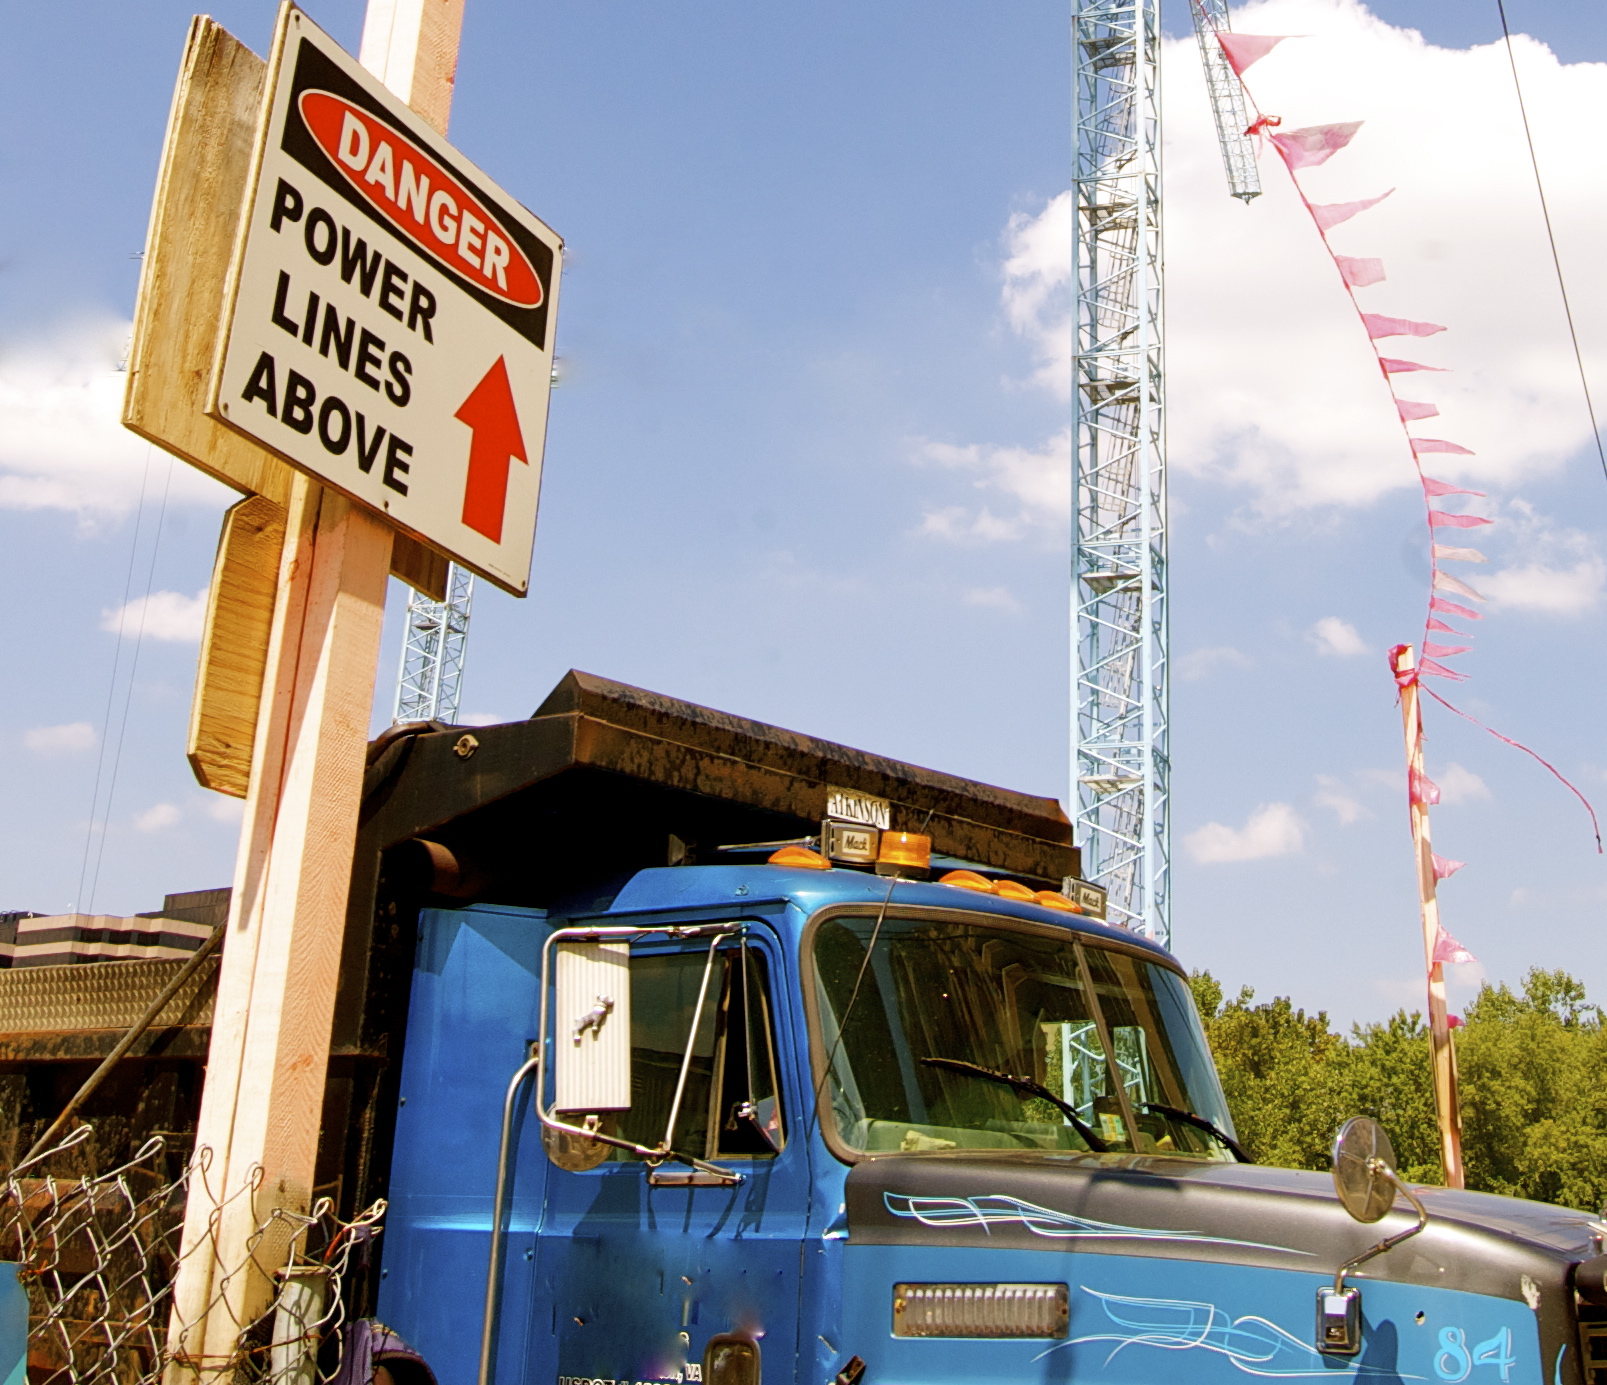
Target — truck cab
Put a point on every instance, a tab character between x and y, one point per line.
767	1116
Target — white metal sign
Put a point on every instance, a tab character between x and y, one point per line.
849	805
391	315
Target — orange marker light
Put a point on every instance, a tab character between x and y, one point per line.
1053	899
800	858
967	880
905	849
1014	889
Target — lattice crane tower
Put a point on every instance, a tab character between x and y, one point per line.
1121	764
433	649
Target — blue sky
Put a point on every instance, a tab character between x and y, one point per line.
802	463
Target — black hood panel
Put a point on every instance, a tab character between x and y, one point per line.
1228	1213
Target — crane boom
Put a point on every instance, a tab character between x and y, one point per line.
433	647
1227	100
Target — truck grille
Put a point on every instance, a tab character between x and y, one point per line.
1592	1344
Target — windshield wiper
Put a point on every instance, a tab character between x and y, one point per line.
1031	1088
1200	1123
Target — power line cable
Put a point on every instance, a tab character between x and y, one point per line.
133	672
111	685
1556	259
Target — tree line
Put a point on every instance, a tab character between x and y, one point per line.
1532	1071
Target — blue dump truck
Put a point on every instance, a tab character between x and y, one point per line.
701	1051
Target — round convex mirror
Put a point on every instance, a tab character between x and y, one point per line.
1364	1189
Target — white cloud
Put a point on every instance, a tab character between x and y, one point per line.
62	446
1551	591
1274	829
1331	794
1272	384
170	616
157	817
994	599
225	807
482	719
1036	483
60	740
1202	663
1459	785
1335	637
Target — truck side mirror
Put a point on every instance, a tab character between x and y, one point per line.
1366	1181
591	1036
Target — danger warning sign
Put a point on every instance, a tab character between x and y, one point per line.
391	314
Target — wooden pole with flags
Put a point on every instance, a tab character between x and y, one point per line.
1419	793
257	1137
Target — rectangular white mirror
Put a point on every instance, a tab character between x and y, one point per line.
591	1039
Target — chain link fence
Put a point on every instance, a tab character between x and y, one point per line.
98	1255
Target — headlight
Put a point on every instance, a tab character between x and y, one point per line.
980	1310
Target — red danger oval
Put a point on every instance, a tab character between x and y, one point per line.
420	198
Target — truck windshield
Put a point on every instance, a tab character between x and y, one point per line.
934	1037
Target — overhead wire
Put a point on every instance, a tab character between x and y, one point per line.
111	684
1551	237
133	673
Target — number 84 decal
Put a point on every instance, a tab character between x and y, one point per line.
1454	1361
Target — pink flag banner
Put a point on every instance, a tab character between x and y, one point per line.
1435	669
1420	446
1394	367
1445	582
1433	487
1444	867
1461	555
1411	410
1423	790
1443	628
1359	273
1380	326
1450	608
1447	949
1438	519
1316	144
1444	651
1327	215
1245	50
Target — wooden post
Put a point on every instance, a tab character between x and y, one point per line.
1443	1054
262	1104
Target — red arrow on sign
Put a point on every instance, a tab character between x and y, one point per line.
489	412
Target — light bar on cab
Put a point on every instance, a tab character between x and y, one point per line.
980	1310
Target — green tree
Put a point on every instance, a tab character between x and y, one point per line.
1532	1073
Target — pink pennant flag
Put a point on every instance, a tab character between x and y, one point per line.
1435	669
1450	608
1422	445
1443	628
1316	144
1359	273
1380	326
1444	651
1438	519
1445	582
1327	215
1455	1021
1394	367
1422	790
1462	555
1244	50
1447	949
1410	410
1444	867
1434	487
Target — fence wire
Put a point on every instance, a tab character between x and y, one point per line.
98	1256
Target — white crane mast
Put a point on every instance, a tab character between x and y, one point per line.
1121	758
433	648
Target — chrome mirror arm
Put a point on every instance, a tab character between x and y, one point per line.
1390	1242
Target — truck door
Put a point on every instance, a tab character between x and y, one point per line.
638	1269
